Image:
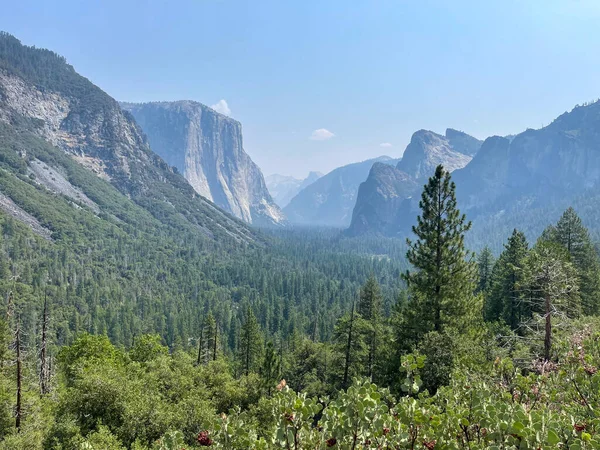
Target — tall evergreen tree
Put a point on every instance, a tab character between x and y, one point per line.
574	237
370	309
349	338
270	369
507	298
485	265
442	286
250	344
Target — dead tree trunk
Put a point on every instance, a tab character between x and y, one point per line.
548	330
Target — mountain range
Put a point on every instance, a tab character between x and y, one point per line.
527	179
384	202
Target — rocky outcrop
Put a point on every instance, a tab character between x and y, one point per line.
206	147
329	201
284	187
41	94
427	150
536	168
385	202
525	180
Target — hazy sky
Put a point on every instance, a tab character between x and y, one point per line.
318	84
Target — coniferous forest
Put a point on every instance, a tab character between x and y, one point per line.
138	313
333	350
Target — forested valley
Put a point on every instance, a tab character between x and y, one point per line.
304	339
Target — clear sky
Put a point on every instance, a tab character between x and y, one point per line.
318	84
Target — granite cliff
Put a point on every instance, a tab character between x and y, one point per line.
207	148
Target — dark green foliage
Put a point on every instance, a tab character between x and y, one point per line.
442	285
370	309
438	350
250	343
570	233
485	265
507	300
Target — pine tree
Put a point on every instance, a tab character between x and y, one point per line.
506	300
574	237
270	370
349	338
442	286
250	344
369	308
485	264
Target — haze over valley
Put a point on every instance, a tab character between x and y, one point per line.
310	225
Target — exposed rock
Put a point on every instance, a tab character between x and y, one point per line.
427	150
385	201
53	180
206	147
329	200
14	210
40	93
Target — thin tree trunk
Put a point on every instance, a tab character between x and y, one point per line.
200	344
44	376
548	334
348	348
215	342
18	409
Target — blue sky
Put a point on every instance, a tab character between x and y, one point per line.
318	84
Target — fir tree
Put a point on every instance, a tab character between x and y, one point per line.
270	370
369	308
250	344
349	337
506	300
485	264
442	286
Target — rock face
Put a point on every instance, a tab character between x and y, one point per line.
537	173
329	200
427	150
284	187
526	180
385	202
41	94
206	147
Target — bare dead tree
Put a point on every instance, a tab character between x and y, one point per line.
553	291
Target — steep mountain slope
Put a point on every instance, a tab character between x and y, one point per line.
525	180
40	94
284	187
384	203
427	150
532	178
329	200
206	147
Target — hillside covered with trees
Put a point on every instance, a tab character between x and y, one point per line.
474	352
